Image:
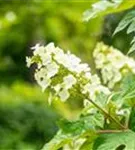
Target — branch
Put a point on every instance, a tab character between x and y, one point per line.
108	115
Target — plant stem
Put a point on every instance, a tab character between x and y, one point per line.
108	115
111	131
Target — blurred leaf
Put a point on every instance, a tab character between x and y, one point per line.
125	22
104	7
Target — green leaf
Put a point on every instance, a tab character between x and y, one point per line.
115	141
128	20
104	7
101	100
131	28
58	141
71	130
127	93
85	123
125	22
88	144
132	48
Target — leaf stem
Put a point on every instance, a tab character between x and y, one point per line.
108	115
111	131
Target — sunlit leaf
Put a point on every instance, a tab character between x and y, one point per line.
58	141
104	7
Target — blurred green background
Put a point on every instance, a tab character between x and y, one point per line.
26	119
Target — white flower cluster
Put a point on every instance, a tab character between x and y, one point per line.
94	88
112	63
51	60
62	89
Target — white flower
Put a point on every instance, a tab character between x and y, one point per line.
93	90
50	48
28	61
52	69
35	47
70	61
50	60
73	59
57	88
87	75
59	56
38	50
100	60
46	58
42	79
112	64
64	95
95	79
69	81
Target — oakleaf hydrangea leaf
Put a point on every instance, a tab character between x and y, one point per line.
58	141
83	124
113	141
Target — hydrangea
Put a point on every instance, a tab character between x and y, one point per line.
62	73
113	65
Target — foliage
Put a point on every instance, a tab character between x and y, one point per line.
27	122
115	141
31	21
128	21
106	121
105	7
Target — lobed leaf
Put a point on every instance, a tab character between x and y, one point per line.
83	124
115	141
58	141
